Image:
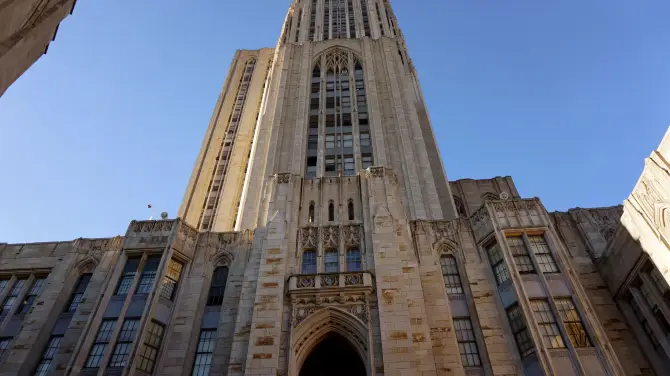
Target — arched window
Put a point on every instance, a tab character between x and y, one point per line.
310	214
334	110
350	210
218	286
460	207
452	280
309	261
331	211
353	260
331	260
78	293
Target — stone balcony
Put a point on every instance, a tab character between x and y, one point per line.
326	282
508	214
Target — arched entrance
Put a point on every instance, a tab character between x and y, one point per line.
330	342
333	356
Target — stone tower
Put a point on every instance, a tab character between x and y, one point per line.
319	235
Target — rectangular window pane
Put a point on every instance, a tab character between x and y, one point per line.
543	255
125	343
126	280
4	346
573	322
204	352
353	260
218	286
520	254
500	270
149	351
3	284
308	262
452	279
467	344
546	322
100	345
331	261
48	355
171	278
520	331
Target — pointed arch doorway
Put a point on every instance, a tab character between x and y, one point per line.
333	356
330	342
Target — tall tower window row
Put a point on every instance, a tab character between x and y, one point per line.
214	189
338	117
338	21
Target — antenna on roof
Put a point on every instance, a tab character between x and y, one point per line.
152	212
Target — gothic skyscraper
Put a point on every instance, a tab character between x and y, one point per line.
319	235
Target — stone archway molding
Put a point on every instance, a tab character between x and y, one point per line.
310	332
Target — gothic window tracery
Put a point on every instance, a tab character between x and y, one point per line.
331	211
460	207
341	114
350	210
310	214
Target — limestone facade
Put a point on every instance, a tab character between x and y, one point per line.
318	221
27	27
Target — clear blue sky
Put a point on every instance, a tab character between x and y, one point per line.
568	97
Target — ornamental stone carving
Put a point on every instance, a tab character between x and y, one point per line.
376	172
352	235
329	280
283	178
306	282
353	279
309	237
330	237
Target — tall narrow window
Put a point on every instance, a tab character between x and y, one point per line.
518	324
124	343
645	289
350	210
218	286
546	322
310	214
331	261
467	345
78	293
352	22
312	20
500	270
152	344
460	207
4	346
101	343
642	319
48	355
353	260
171	279
148	275
34	291
204	352
297	29
3	283
573	322
129	271
309	262
545	260
366	160
521	255
287	28
366	17
326	19
331	211
11	297
452	280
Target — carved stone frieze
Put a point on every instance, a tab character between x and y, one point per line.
283	178
352	235
376	172
330	236
353	279
309	237
306	282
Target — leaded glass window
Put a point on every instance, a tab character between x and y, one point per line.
452	280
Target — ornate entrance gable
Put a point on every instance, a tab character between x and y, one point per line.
312	330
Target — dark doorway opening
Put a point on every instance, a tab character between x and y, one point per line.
333	356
